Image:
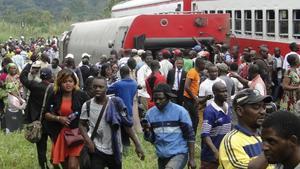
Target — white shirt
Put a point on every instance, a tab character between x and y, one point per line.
205	88
286	65
165	66
142	74
123	61
279	64
19	61
177	79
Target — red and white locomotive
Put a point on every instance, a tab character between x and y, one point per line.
275	23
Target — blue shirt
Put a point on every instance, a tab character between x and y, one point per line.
171	130
216	124
125	89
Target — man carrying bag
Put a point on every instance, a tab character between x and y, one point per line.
103	116
33	111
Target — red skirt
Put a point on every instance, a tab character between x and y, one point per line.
60	150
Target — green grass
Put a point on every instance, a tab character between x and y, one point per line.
17	153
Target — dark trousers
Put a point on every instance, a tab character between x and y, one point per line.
100	160
125	137
41	147
179	99
209	165
190	106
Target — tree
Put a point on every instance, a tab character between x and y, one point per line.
107	9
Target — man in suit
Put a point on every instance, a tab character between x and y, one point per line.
176	80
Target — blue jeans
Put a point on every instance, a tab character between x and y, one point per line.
175	162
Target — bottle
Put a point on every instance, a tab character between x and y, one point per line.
73	116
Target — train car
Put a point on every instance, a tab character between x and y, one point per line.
274	23
144	32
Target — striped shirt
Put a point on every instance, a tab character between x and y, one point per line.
216	124
238	148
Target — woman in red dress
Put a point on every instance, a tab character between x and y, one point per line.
66	99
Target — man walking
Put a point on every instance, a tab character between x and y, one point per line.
106	148
169	128
126	89
216	123
191	91
176	79
34	106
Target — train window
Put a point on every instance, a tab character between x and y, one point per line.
238	21
212	11
258	22
195	7
230	20
271	23
220	11
248	25
178	8
206	12
296	23
283	23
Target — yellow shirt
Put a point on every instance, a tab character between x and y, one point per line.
10	54
238	148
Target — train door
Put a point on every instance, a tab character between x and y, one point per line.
120	37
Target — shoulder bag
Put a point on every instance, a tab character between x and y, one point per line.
85	158
33	131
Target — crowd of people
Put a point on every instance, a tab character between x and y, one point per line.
243	105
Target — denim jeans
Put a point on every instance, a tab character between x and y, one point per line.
175	162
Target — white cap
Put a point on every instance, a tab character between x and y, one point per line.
37	64
85	54
69	55
140	52
134	50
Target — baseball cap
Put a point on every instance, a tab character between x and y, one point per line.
45	73
134	50
250	96
165	88
197	48
37	64
70	56
140	52
85	55
177	52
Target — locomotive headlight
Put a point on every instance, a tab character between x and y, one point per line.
164	22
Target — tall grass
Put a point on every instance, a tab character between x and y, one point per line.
17	153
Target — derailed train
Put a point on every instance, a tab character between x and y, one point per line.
150	31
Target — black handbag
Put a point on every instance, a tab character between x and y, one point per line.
85	156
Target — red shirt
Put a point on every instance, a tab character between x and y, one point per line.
151	81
